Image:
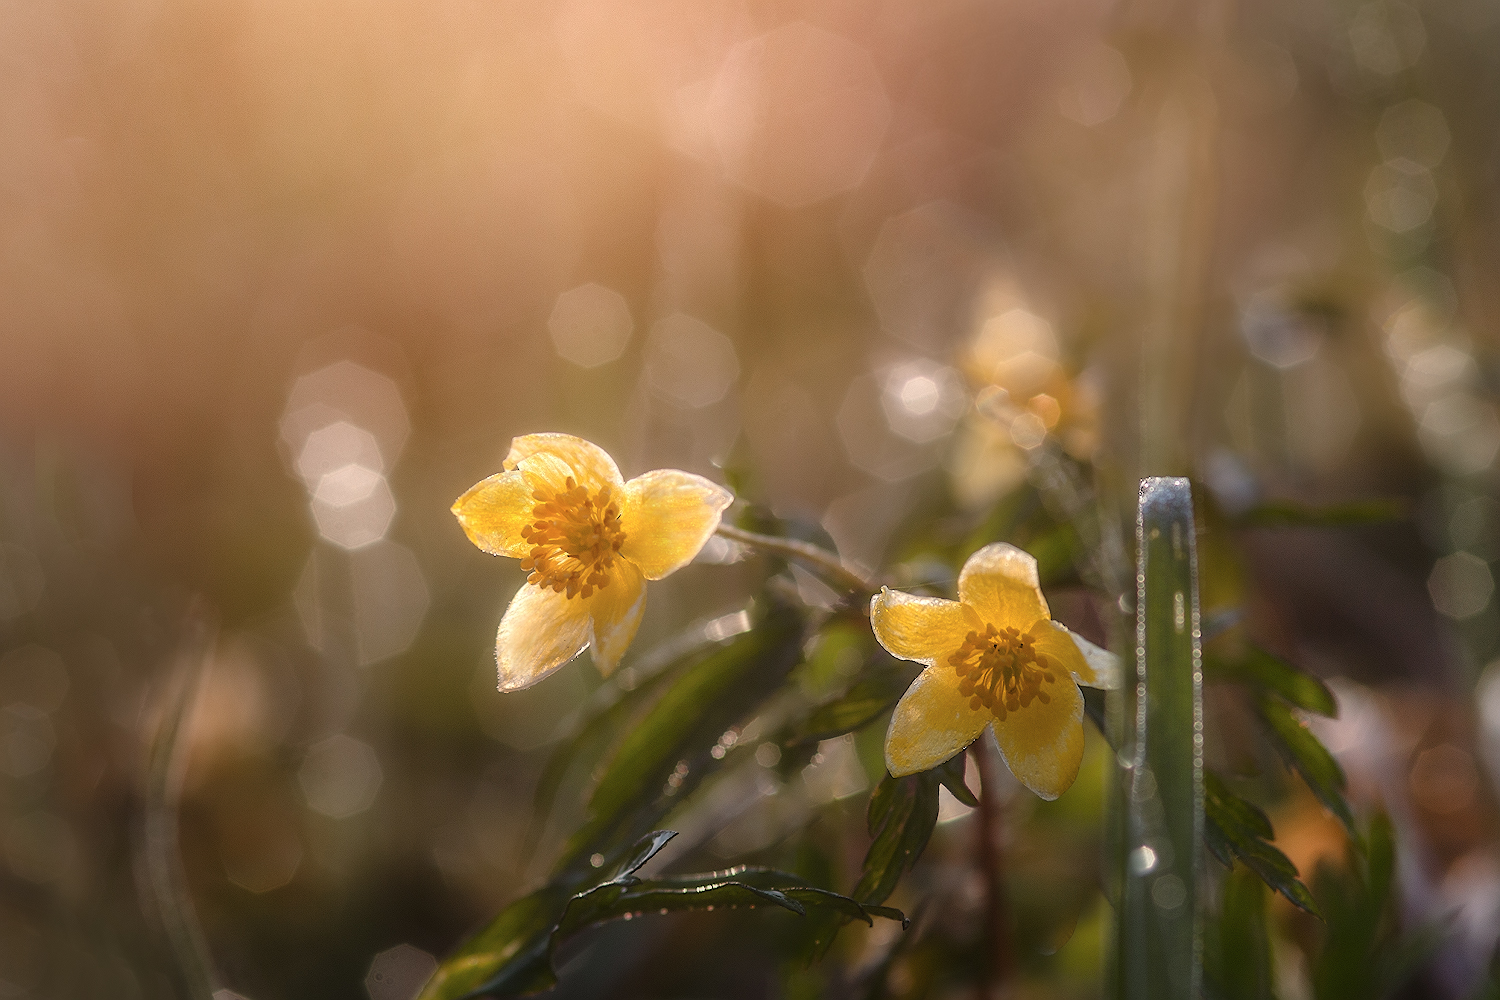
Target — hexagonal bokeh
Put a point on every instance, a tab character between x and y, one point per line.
1413	130
798	114
350	392
922	272
1400	195
1098	81
265	862
865	430
399	973
590	325
340	777
33	675
689	362
1387	37
1461	585
390	599
923	399
353	506
334	446
1460	432
1278	337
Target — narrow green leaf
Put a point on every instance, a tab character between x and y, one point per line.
902	813
1238	965
1309	758
673	740
644	850
1287	514
1157	724
1265	672
864	702
1380	858
510	956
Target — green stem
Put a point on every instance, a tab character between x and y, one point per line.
820	559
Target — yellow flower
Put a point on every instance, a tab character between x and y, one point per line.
994	658
590	541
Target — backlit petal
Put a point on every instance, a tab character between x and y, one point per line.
590	463
541	631
918	628
1000	582
1043	743
1089	664
932	722
614	615
545	473
492	514
667	516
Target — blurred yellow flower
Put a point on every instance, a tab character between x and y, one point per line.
1022	396
590	541
994	658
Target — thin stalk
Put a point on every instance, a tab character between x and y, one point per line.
820	559
999	961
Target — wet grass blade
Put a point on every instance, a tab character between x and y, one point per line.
1160	725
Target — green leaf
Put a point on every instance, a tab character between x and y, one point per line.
1237	965
1309	758
1265	672
862	704
673	740
1288	514
1234	828
510	957
901	816
1160	791
951	774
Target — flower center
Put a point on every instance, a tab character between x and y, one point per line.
575	539
1001	670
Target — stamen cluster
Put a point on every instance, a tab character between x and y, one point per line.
575	539
1001	670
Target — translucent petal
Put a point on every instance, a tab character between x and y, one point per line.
590	463
918	628
932	722
1089	664
541	631
614	615
492	514
1043	743
999	581
545	472
667	516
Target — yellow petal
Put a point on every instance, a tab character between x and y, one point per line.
590	463
932	722
999	581
667	516
541	631
1089	664
918	628
492	514
545	473
1043	744
614	615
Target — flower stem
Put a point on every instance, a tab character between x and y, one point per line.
820	559
999	961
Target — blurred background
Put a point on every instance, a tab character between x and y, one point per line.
278	281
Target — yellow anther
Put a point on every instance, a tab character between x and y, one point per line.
575	539
1001	670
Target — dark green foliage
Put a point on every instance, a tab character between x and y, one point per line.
1237	953
1302	752
860	705
721	688
1234	828
1285	514
1363	955
1259	669
902	813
